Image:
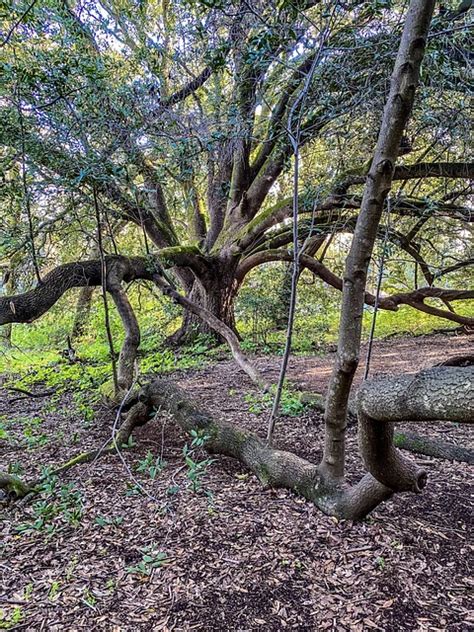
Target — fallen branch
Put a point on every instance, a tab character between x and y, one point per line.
17	389
430	447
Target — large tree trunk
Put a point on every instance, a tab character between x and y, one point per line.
217	294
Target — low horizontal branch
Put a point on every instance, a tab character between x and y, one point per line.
417	171
392	302
443	393
27	307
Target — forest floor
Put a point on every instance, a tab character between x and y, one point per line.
98	554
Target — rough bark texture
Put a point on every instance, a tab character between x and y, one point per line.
216	293
273	467
27	307
431	447
397	110
440	393
83	309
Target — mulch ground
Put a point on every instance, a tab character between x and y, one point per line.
238	557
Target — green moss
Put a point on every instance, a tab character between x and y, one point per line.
260	217
398	439
264	475
80	458
169	256
107	390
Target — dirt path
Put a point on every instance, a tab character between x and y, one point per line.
238	557
389	356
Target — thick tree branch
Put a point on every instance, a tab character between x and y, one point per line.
26	307
437	394
418	170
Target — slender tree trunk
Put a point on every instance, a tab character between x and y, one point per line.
83	310
397	110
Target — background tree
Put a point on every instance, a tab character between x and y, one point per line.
179	115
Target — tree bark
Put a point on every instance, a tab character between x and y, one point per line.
83	310
216	293
432	447
28	306
397	110
273	467
440	393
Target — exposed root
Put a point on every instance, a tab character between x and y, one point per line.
14	486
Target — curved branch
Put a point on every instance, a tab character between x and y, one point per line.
27	307
439	393
403	207
129	350
414	299
219	327
273	467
